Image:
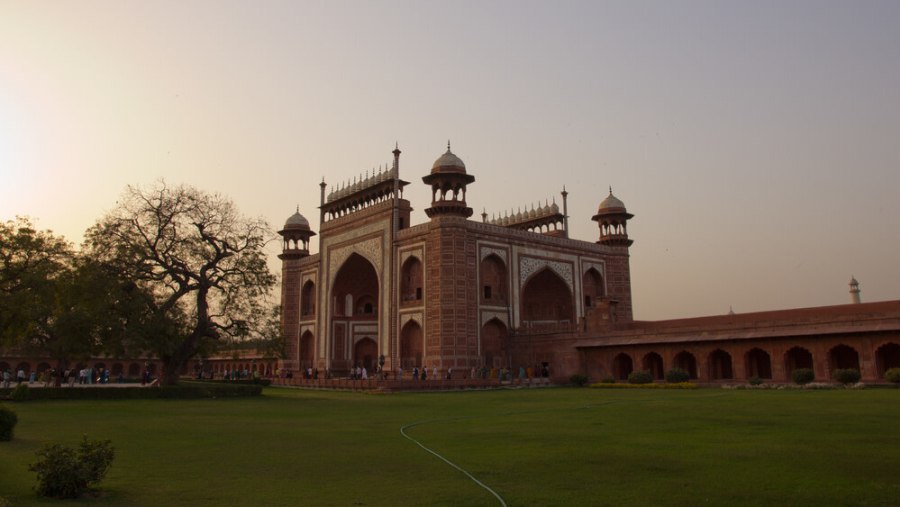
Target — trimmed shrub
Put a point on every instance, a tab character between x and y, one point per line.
607	380
640	377
680	385
803	376
677	376
20	392
578	380
846	376
184	390
64	472
8	420
755	381
892	375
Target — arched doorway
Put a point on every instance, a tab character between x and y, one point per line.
686	361
758	364
354	308
365	354
411	277
411	345
592	287
494	346
720	365
307	341
797	358
653	363
843	357
622	366
308	299
546	300
492	274
886	357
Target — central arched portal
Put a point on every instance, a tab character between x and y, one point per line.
354	310
547	301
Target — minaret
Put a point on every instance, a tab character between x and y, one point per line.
854	291
296	234
448	180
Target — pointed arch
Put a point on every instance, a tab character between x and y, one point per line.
758	364
623	365
796	358
592	287
411	282
306	349
887	356
546	299
308	299
355	285
653	363
412	345
720	365
494	344
493	277
843	357
686	361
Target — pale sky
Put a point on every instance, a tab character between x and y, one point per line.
757	143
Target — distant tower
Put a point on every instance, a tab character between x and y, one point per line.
612	217
448	180
854	291
296	234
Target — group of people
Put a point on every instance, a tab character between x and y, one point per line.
8	378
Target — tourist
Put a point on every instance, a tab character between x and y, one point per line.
32	377
450	373
434	372
472	373
424	373
316	373
20	376
400	373
7	378
416	373
365	374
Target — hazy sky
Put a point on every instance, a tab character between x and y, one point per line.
757	142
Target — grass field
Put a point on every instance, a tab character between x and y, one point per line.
533	447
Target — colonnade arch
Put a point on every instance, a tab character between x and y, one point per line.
887	356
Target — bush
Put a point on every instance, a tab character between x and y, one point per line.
607	380
640	377
803	376
677	376
578	380
64	472
20	392
8	421
755	381
184	390
892	375
846	376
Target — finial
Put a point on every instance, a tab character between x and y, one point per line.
298	208
448	145
610	190
396	145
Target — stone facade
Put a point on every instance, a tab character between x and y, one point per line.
448	293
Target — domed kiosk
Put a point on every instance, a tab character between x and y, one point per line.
296	234
448	180
612	217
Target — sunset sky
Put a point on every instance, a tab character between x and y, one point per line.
757	143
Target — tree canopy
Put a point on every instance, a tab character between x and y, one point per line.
201	264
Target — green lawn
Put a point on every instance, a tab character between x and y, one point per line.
534	447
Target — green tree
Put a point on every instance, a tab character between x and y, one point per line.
57	303
31	263
202	264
